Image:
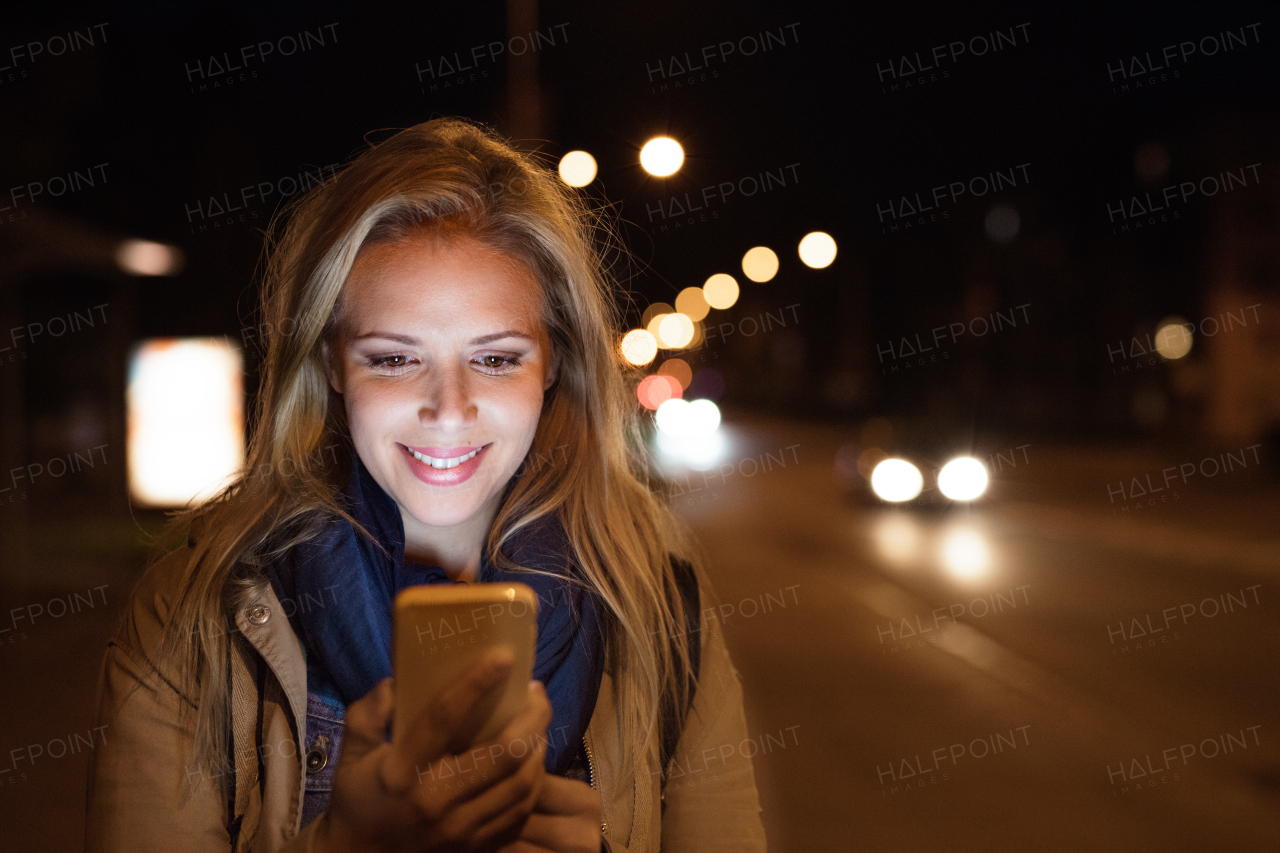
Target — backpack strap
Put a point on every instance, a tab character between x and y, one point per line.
673	722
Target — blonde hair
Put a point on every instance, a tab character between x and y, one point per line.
447	177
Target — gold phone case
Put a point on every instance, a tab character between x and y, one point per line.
442	630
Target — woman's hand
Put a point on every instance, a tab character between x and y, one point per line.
416	796
566	819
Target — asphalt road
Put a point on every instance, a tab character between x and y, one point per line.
1038	672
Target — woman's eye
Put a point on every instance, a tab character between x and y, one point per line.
497	362
389	361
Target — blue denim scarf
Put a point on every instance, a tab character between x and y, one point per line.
347	634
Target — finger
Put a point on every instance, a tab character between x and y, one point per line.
468	775
452	710
526	730
485	803
446	721
531	721
499	811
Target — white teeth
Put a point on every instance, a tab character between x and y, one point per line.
443	463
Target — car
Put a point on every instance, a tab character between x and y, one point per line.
913	463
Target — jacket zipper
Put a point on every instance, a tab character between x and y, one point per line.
591	773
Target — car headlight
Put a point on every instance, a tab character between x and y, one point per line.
896	480
963	479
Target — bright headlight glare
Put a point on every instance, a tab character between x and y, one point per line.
896	480
963	479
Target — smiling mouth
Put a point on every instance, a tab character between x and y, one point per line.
442	464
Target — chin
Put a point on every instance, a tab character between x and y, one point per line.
441	513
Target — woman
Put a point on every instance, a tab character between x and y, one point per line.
454	334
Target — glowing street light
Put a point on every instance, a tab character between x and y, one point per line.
692	303
577	168
675	331
760	263
818	250
638	347
661	156
721	291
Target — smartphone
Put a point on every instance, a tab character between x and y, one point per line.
443	630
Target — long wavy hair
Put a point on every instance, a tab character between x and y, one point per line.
446	177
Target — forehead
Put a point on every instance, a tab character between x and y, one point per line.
440	281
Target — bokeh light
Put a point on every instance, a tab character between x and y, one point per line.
672	416
692	303
1173	338
965	553
185	419
818	250
678	369
639	346
1002	223
704	417
707	382
653	328
699	335
674	330
760	264
721	290
652	311
688	431
657	389
897	537
963	479
143	257
896	480
688	419
661	156
577	168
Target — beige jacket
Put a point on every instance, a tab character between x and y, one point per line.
136	778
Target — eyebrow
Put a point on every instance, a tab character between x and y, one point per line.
412	341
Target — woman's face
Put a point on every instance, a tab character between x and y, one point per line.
443	367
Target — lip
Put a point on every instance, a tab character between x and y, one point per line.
443	476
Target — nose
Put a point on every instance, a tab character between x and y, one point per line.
447	405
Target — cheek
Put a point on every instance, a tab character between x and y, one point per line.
367	410
522	408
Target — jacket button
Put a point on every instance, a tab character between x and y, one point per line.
318	755
259	614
